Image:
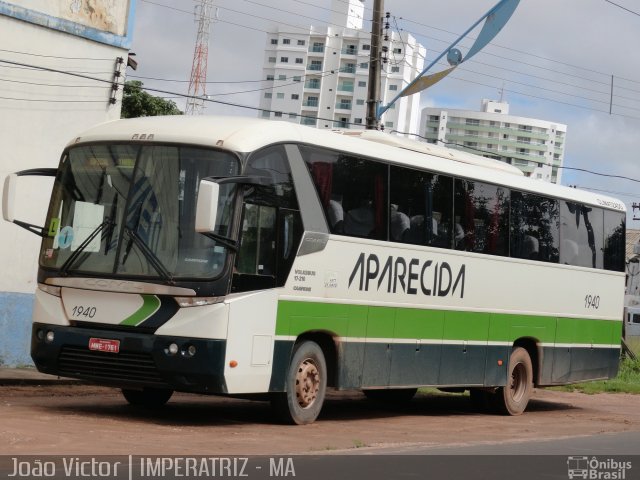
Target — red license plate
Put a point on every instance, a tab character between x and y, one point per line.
104	345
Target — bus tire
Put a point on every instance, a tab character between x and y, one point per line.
391	395
306	385
147	397
512	399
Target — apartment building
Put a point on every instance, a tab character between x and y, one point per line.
534	146
320	77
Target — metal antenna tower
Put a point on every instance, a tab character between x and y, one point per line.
198	81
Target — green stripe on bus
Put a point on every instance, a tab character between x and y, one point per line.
150	305
360	321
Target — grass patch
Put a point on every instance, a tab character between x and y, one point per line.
627	381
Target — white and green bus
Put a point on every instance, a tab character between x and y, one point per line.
243	257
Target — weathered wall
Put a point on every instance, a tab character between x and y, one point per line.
40	112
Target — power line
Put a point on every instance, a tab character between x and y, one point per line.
49	84
56	56
623	8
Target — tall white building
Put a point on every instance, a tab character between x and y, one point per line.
534	146
321	77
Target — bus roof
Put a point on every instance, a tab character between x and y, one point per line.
242	134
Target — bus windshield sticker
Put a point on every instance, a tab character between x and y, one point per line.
86	218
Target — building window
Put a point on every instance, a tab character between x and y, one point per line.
301	43
362	83
388	124
277	114
298	60
280	96
472	121
397	50
360	102
357	121
295	96
282	77
265	114
292	115
395	69
270	77
366	47
286	41
274	41
268	94
297	78
364	65
393	87
272	59
284	59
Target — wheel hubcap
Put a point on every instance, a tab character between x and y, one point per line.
307	383
518	382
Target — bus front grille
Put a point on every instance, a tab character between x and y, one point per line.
123	367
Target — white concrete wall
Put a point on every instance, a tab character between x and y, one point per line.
40	112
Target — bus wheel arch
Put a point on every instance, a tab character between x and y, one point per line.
328	343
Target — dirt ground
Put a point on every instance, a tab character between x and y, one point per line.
75	420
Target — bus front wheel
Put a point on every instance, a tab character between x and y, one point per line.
306	385
512	399
147	397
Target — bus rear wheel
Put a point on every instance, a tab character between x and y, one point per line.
512	399
306	386
147	397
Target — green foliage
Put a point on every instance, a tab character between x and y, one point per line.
138	103
627	381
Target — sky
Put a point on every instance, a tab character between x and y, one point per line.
555	60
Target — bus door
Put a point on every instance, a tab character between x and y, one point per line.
271	227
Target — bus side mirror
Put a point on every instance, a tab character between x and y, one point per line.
8	197
207	206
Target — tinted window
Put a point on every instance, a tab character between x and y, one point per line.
614	241
581	235
481	218
353	192
420	208
535	229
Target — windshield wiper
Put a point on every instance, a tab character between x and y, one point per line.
151	257
64	269
222	240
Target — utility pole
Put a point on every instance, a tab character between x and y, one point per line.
373	94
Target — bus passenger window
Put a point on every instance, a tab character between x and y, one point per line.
420	207
481	218
535	227
352	190
614	241
581	230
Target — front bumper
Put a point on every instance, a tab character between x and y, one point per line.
143	359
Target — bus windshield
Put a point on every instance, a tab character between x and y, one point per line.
129	211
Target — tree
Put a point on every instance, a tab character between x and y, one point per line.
138	103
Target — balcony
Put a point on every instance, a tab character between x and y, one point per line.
348	69
349	51
343	105
345	87
316	49
312	84
308	121
340	125
314	67
310	103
